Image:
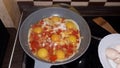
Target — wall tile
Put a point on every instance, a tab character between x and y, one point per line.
80	0
42	3
97	0
25	0
62	0
112	4
42	0
71	2
79	3
113	0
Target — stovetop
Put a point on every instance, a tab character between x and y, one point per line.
90	59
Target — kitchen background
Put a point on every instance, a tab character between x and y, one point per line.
71	2
10	9
11	12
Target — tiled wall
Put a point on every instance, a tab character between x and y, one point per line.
71	2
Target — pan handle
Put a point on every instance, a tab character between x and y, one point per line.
64	5
39	64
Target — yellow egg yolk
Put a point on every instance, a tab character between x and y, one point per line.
70	25
60	54
72	39
55	37
55	18
37	29
42	53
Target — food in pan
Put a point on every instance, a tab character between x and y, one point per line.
54	38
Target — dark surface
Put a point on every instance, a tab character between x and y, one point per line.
9	47
100	32
4	38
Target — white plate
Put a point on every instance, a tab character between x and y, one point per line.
108	41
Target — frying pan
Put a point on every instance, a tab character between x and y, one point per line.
47	12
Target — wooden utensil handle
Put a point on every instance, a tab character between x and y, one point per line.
104	24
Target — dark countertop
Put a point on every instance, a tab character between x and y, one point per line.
18	52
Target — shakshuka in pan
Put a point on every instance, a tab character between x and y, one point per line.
54	39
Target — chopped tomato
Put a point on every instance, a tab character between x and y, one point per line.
53	58
59	31
65	46
47	46
49	33
58	47
70	49
75	33
41	22
34	36
34	45
43	34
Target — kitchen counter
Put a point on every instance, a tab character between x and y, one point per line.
15	54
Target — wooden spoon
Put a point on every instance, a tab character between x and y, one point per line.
104	24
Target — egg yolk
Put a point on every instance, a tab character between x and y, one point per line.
60	54
55	18
70	25
37	30
42	53
55	37
72	39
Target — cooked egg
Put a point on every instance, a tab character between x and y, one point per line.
60	54
37	30
42	53
111	53
55	37
70	24
72	39
55	19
